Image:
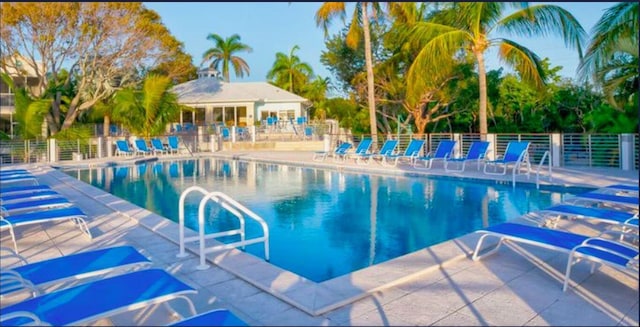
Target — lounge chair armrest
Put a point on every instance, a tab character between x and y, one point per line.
11	281
23	314
6	253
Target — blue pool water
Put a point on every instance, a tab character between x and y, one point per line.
325	223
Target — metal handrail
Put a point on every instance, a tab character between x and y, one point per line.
547	156
228	203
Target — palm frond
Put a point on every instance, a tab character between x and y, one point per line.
524	61
327	12
545	20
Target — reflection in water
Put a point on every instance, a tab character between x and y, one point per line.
323	223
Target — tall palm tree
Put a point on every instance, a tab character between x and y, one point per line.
224	54
289	72
612	56
468	26
330	10
149	110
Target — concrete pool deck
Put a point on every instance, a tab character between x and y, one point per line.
439	285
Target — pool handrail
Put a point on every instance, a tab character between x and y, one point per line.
228	203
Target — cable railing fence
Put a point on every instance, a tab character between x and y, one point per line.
566	150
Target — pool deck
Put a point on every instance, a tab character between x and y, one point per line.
439	285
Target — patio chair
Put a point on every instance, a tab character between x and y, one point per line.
604	200
444	150
626	221
13	207
25	196
17	178
13	171
157	146
339	150
388	148
595	249
516	154
411	153
174	145
225	133
23	189
477	152
103	298
36	276
217	317
122	148
362	149
620	189
308	132
141	147
44	216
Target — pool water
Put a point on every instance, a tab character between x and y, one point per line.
324	223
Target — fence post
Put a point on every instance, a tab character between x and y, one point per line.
233	134
326	142
252	130
457	150
626	152
493	146
99	148
53	150
556	146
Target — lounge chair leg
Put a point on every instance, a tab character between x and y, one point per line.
476	252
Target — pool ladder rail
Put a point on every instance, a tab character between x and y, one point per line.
231	205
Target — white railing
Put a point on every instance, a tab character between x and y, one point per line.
545	156
233	207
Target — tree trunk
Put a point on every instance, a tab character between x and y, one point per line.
369	64
105	126
482	82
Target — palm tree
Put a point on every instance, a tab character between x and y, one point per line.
330	10
468	26
149	110
288	72
612	56
224	54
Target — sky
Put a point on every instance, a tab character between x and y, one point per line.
271	27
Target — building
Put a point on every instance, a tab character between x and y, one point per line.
236	104
22	75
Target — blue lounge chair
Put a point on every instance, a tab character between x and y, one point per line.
388	148
595	249
620	189
219	317
477	152
18	178
37	217
77	266
141	147
24	196
122	148
174	145
157	146
13	171
550	216
23	189
339	150
362	149
34	205
603	199
91	301
411	153
225	133
442	153
516	154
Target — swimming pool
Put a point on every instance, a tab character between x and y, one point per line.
325	223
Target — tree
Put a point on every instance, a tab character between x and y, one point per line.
330	10
146	112
223	54
103	45
467	26
289	72
612	56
